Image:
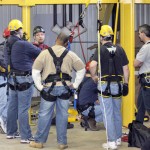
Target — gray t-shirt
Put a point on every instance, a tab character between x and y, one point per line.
144	56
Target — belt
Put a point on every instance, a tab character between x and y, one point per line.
112	78
20	73
144	75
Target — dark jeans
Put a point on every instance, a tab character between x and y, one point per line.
143	103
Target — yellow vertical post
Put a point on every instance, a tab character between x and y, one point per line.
26	17
128	42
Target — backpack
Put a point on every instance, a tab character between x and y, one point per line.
3	65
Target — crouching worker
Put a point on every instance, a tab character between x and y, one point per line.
88	103
52	76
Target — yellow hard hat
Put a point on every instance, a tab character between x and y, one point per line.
15	25
106	30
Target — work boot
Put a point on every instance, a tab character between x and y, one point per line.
35	144
92	124
62	146
70	126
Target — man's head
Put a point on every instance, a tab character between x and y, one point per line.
6	33
144	32
106	33
62	39
16	28
39	34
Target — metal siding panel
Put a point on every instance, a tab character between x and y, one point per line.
8	12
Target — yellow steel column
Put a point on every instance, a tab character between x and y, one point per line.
26	18
127	42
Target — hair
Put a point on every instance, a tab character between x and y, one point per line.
145	28
108	38
63	38
15	32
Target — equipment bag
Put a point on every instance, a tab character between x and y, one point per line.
138	134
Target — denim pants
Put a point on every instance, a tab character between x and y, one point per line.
143	103
18	104
3	99
97	111
111	109
46	114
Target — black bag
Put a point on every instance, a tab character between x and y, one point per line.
138	134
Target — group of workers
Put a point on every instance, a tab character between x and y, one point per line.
49	69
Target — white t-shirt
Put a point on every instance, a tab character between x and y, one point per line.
144	56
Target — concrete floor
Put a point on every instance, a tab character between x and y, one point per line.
78	139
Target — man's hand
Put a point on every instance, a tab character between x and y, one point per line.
125	89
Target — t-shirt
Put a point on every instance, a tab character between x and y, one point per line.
120	59
44	62
144	56
88	93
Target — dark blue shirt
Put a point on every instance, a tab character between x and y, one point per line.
23	54
88	92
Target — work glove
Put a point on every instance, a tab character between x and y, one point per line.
125	89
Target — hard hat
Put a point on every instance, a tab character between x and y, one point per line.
38	29
106	30
15	25
6	33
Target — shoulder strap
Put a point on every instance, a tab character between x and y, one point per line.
57	60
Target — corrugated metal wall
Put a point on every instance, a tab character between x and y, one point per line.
142	14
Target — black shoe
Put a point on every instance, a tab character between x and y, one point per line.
53	121
70	126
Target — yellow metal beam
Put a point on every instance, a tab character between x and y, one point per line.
142	1
127	42
48	2
26	18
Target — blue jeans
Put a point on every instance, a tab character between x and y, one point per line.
3	99
143	104
113	119
18	104
98	113
46	114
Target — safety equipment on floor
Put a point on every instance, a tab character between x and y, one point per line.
59	76
38	29
112	78
19	86
138	134
15	25
6	33
144	80
125	89
106	31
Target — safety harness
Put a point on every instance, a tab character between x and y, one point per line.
144	80
112	78
59	76
13	72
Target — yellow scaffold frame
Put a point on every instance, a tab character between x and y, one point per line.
126	34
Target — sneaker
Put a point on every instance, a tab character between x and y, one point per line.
25	141
3	125
118	142
111	145
31	138
36	145
62	146
15	135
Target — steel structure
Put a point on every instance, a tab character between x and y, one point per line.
126	32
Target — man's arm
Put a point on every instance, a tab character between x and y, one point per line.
137	63
126	73
93	68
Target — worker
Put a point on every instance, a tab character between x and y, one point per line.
88	103
142	62
114	68
39	37
21	56
3	83
52	76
